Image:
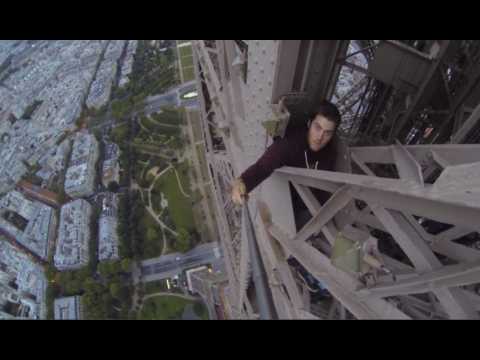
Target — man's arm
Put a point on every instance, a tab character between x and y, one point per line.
273	158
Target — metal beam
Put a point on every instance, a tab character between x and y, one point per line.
444	277
282	276
423	259
473	79
458	208
459	179
287	58
308	198
454	154
313	205
408	167
440	160
425	89
336	202
264	300
361	165
409	271
339	283
456	251
451	234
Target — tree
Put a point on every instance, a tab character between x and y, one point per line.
107	302
62	197
183	240
94	299
109	269
98	134
50	272
105	269
115	289
125	295
120	134
73	287
83	274
132	315
51	293
152	234
64	278
113	187
115	267
126	264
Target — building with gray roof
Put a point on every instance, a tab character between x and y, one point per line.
22	285
72	251
30	223
107	229
80	176
68	308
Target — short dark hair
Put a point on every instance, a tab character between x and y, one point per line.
328	110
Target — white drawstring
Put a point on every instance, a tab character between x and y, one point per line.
306	162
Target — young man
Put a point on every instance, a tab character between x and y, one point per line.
311	147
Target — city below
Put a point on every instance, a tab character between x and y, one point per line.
106	205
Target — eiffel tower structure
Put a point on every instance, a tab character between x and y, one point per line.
398	237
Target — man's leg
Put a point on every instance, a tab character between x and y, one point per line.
301	218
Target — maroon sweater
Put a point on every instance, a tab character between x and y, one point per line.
290	151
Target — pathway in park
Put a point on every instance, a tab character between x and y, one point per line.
157	294
209	213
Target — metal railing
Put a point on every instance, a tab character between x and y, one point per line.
433	264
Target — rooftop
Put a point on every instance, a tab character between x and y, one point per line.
73	235
67	308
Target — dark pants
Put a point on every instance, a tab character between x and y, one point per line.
301	218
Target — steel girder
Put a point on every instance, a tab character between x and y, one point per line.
392	201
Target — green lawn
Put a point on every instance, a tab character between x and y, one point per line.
143	157
179	206
149	177
145	196
187	61
155	286
202	228
151	235
169	116
157	128
203	161
188	74
185	51
159	138
201	310
156	150
183	41
156	203
169	308
138	170
196	126
119	133
211	206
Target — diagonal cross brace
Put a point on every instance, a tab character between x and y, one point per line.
337	202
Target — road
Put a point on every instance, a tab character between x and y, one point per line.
171	98
195	157
177	91
172	264
155	103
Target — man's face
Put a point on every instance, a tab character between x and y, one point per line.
320	133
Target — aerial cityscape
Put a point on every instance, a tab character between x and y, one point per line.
239	179
105	201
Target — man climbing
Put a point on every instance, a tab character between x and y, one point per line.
310	147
